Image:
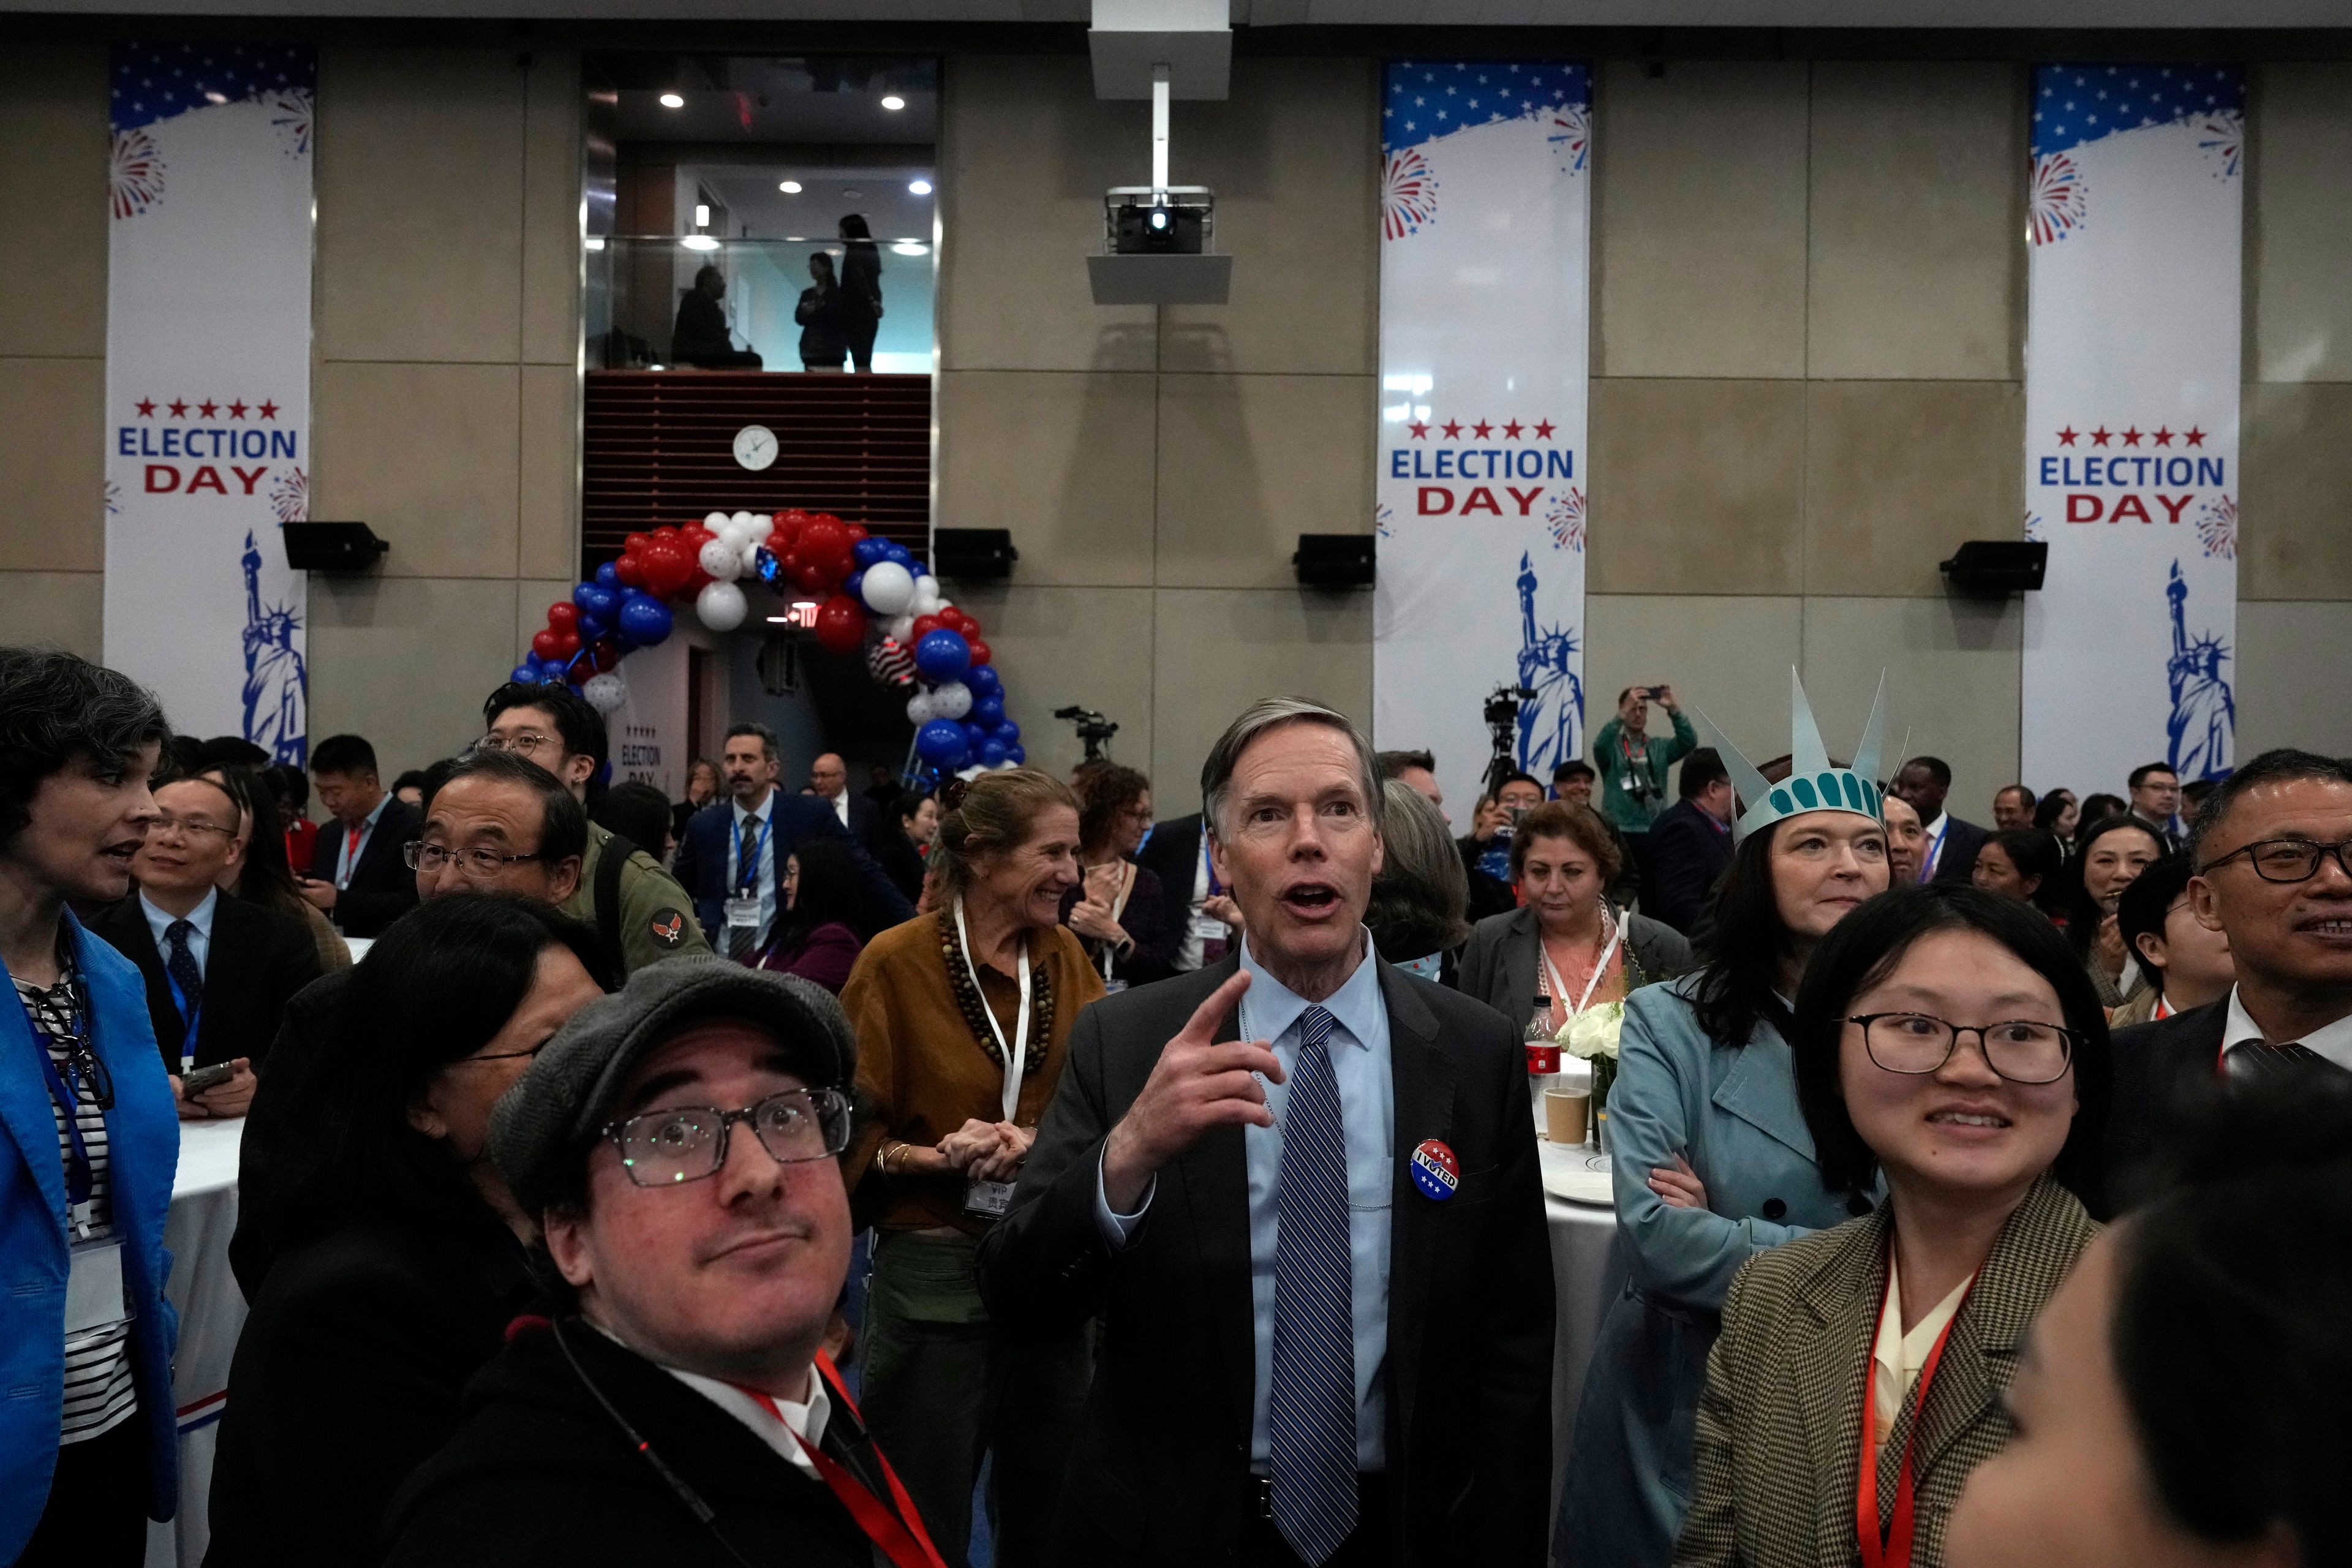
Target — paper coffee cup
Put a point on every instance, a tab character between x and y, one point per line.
1566	1113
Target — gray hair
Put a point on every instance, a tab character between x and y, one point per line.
1422	894
1270	713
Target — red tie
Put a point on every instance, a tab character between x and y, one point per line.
351	852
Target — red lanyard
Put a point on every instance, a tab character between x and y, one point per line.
1893	1549
898	1533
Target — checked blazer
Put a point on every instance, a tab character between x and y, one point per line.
1780	1426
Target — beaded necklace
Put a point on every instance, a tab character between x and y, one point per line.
974	1007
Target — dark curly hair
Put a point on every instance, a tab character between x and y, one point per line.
58	710
1106	794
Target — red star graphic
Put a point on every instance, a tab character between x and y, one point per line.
1454	429
2163	437
236	410
1482	430
2193	436
2131	437
2099	436
1511	431
146	408
268	410
1543	431
1420	431
178	408
206	409
2066	436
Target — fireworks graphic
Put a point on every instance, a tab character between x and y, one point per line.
113	497
290	116
1566	516
1570	129
1383	521
2033	529
2217	525
138	179
289	496
2057	207
2222	139
1408	196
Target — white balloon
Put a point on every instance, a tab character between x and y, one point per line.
720	561
746	518
606	692
920	709
722	606
928	600
901	629
952	700
749	554
737	530
888	588
714	522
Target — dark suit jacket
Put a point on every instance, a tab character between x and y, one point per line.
258	960
1160	1473
1173	855
2167	1073
1688	851
276	1127
1961	841
701	864
1499	962
383	887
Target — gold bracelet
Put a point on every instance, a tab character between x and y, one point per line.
888	1174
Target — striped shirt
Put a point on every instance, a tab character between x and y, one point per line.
98	1391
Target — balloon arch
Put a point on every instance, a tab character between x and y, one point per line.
873	594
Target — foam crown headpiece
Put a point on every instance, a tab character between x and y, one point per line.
1814	783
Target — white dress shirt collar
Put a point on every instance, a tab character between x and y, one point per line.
1273	1006
201	917
760	814
777	1430
2334	1041
840	805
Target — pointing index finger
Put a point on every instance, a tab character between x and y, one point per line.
1219	1002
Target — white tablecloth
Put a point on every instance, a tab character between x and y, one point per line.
1582	1285
212	1314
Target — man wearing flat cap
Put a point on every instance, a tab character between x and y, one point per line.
675	1143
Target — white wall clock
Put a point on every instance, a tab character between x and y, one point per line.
755	447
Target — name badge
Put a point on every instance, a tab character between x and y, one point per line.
990	1198
94	1297
743	914
1113	987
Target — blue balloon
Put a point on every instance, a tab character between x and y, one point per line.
941	744
592	628
526	673
608	576
646	620
992	751
596	600
871	551
942	656
581	592
974	735
1016	755
1009	732
894	550
988	711
983	682
854	584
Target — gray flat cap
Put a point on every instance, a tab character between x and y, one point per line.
541	1128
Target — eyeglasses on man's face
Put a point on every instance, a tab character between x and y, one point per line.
687	1143
525	742
2287	859
2022	1050
422	856
191	826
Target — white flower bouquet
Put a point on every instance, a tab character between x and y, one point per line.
1593	1035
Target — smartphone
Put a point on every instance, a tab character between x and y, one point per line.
201	1078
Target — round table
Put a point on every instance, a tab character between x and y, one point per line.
1584	1281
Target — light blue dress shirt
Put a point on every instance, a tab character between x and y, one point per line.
347	858
200	940
1359	1047
765	871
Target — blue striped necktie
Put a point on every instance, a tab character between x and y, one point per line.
1311	1403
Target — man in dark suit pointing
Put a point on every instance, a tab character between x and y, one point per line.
1300	1188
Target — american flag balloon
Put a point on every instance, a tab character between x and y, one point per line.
888	662
1570	131
2058	206
1566	516
138	178
2217	525
1408	196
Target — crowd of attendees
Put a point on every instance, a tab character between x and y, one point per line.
778	1174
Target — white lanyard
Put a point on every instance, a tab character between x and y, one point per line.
1017	1053
1560	984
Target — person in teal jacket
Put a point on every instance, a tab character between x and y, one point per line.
88	1135
1713	1164
1633	765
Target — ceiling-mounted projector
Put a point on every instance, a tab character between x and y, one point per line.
1159	240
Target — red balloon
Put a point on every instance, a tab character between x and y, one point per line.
562	614
635	542
667	567
667	531
924	626
811	577
980	650
856	530
545	645
960	622
630	570
840	625
695	536
603	655
567	643
823	539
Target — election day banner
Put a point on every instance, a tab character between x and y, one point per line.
1481	487
208	382
2131	421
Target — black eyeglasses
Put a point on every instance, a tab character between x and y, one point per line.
424	856
687	1143
86	1073
2288	859
1916	1044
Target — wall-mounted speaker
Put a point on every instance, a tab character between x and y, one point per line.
332	546
972	554
1996	568
1334	560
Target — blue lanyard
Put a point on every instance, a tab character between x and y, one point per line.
1927	861
67	1096
189	1017
747	873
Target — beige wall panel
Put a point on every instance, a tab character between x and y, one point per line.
1062	459
1699	216
2299	222
57	609
1917	219
550	210
2295	540
425	455
1899	472
1059	646
53	464
1026	150
1696	487
420	178
532	596
2290	677
1728	658
549	473
406	661
1216	652
1248	463
53	152
1295	158
1952	671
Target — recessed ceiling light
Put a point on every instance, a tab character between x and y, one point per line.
790	187
853	195
672	101
894	103
919	187
698	242
911	247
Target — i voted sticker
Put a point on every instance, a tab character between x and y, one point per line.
1435	1170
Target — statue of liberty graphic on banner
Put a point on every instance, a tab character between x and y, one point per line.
276	685
2204	720
1552	721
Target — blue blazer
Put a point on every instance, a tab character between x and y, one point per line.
1730	1110
701	864
143	1138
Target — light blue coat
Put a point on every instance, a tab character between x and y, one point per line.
1731	1110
